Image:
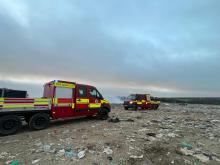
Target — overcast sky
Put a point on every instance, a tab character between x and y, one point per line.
167	48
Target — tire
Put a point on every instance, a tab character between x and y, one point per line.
9	124
39	121
125	108
156	107
103	114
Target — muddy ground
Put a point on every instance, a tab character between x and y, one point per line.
173	134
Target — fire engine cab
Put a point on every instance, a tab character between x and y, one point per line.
61	99
140	101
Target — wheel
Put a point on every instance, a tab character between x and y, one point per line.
103	114
126	108
9	124
156	107
39	121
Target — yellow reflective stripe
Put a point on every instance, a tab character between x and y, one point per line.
55	100
73	105
1	101
104	101
63	104
41	100
18	106
94	105
41	103
155	102
138	102
64	85
82	101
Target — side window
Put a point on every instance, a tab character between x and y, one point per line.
81	91
140	97
63	92
93	92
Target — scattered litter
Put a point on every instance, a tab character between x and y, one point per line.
129	120
36	161
172	135
184	151
14	162
66	131
109	158
61	153
114	120
70	154
202	158
81	154
186	145
136	157
151	134
108	151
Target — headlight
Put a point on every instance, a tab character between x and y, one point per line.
131	102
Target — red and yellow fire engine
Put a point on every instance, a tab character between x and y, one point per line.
140	101
61	99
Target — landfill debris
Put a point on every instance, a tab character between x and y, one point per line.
128	120
109	158
61	153
202	158
137	157
184	151
14	162
186	145
36	161
152	134
114	120
70	154
66	131
81	154
183	135
46	148
108	151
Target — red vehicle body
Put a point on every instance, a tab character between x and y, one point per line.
61	99
140	101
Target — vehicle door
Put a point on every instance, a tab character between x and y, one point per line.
63	102
94	100
82	101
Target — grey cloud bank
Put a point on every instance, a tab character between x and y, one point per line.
169	48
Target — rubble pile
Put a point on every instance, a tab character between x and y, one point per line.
173	134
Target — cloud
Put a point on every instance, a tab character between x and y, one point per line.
169	49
